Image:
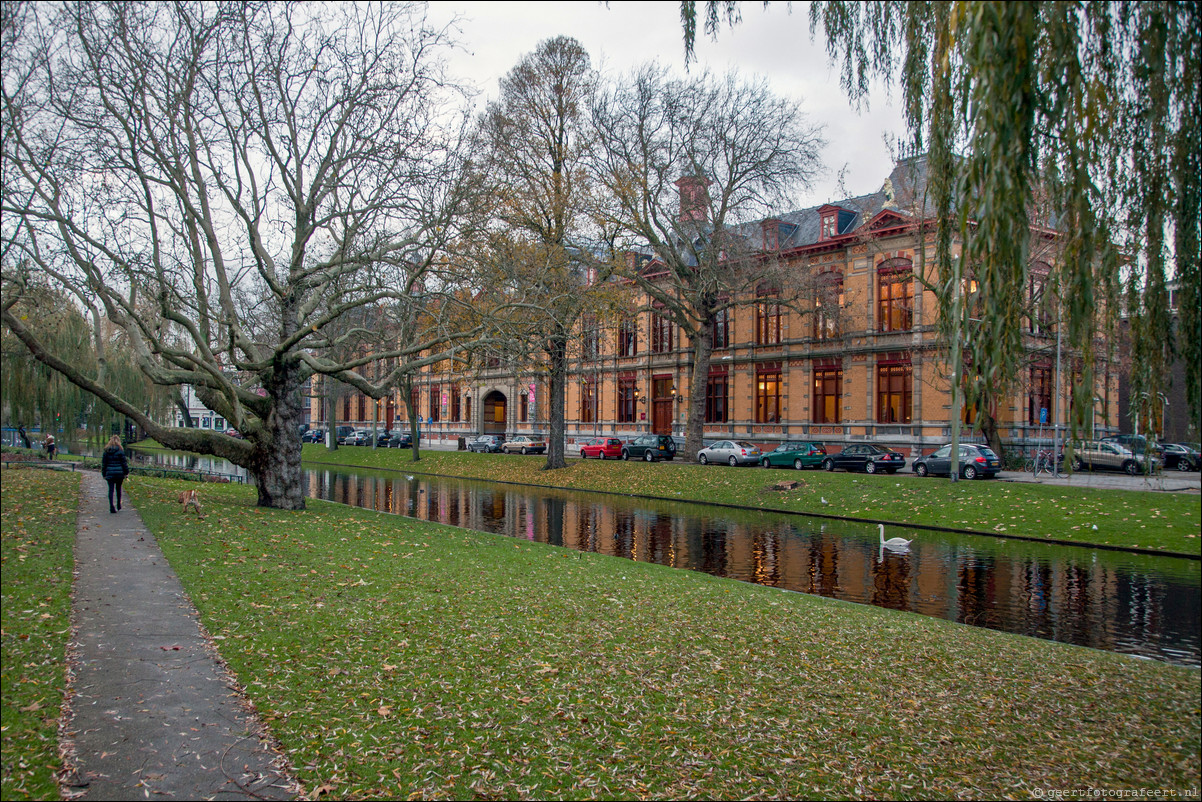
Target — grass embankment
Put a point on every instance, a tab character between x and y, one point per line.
37	535
1134	519
396	658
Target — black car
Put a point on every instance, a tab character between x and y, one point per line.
313	436
976	461
865	457
650	447
382	439
1181	457
486	444
400	440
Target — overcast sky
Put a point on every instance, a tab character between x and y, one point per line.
773	42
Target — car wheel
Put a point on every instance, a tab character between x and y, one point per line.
1078	465
828	465
920	469
797	466
523	451
647	455
870	467
625	454
583	455
970	472
734	463
704	460
1131	467
1183	465
765	463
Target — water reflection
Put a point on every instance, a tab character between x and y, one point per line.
1136	604
183	460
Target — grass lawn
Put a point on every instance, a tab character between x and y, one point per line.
1169	522
396	658
37	536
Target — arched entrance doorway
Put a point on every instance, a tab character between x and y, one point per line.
494	413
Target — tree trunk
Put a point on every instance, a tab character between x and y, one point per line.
411	411
988	427
557	351
276	459
183	408
703	350
330	399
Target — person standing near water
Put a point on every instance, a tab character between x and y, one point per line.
114	468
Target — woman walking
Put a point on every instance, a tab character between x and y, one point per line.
114	467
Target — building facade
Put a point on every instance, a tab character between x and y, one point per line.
859	359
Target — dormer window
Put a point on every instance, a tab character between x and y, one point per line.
829	215
830	226
771	232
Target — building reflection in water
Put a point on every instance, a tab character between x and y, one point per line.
1108	600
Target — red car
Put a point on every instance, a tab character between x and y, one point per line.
601	448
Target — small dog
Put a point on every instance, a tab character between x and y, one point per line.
189	498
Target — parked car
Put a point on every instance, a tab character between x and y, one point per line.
867	457
1135	443
314	436
1181	457
400	440
601	448
358	437
524	445
732	452
382	439
486	443
1109	455
976	461
234	433
795	454
650	447
343	432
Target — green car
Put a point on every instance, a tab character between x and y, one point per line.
796	454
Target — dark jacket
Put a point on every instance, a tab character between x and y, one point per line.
113	465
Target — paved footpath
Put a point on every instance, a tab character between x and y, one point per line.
152	712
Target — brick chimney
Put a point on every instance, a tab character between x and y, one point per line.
694	198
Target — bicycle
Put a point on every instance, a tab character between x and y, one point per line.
1044	462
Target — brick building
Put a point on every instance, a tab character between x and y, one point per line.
861	359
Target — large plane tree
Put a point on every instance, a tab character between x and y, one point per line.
686	165
237	187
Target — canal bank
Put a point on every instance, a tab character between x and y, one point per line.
1117	599
1098	510
1100	515
1108	483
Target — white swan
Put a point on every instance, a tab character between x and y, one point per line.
893	542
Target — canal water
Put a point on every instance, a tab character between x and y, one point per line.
1145	605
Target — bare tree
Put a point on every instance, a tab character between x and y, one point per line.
688	164
228	184
537	142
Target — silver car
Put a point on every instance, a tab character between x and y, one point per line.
732	452
1094	455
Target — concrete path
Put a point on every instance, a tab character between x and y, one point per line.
1166	481
153	714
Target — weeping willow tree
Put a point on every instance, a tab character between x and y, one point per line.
1096	103
34	395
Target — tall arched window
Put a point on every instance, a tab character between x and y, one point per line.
895	295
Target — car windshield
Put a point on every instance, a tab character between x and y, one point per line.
745	444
